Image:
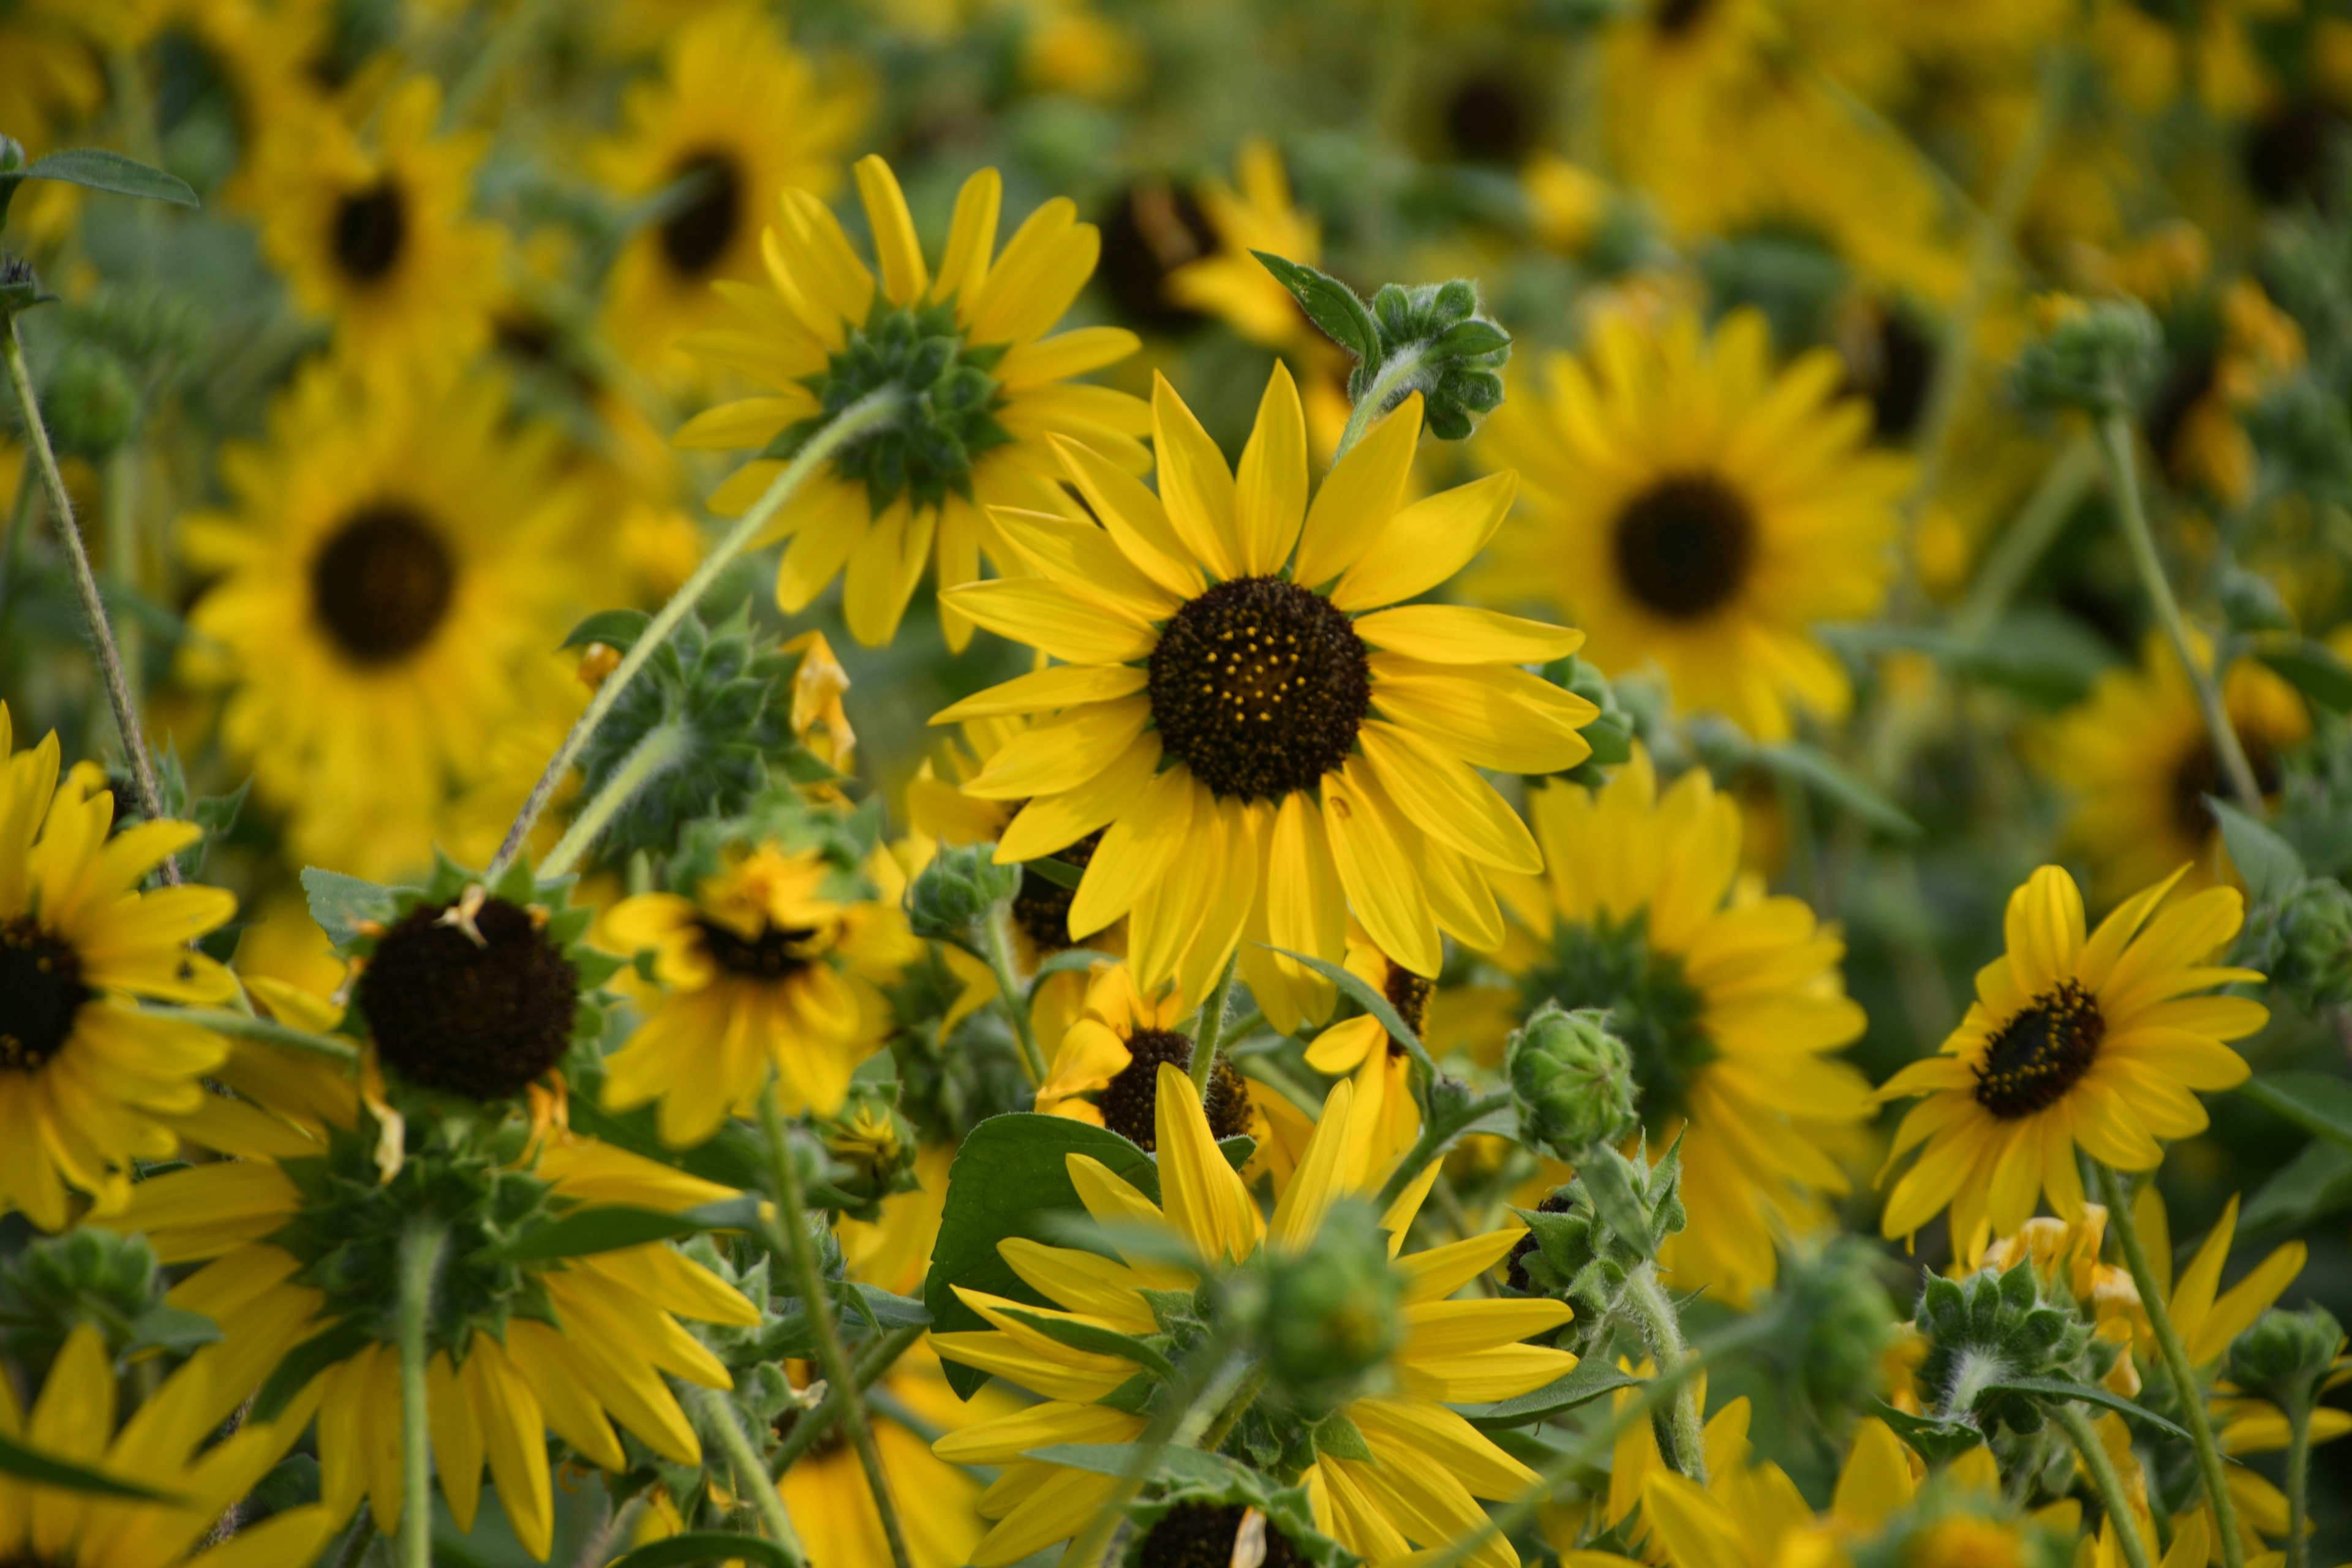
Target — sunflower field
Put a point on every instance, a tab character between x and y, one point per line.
1106	783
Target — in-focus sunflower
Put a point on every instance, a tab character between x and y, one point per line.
373	231
773	961
1694	508
74	1419
1729	1001
736	117
2096	1041
1106	1068
1426	1466
396	553
821	333
2139	761
1268	746
1362	1048
299	1236
85	1074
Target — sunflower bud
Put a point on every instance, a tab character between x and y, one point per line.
2314	958
90	401
1987	1332
1573	1082
1839	1320
871	1146
956	892
2099	357
93	1277
1330	1312
1430	339
2286	1357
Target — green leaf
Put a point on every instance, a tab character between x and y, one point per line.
1012	1178
32	1465
96	169
2314	1186
1592	1378
708	1546
607	1229
2315	1102
1938	1442
340	904
617	630
2267	862
1097	1341
1811	766
1069	958
2088	1394
2313	669
175	1328
1356	990
1330	304
1174	1465
1061	873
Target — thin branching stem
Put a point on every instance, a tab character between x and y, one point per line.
2104	1480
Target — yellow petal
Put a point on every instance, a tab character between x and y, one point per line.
1195	486
1201	1194
1270	490
1427	543
1457	634
1358	497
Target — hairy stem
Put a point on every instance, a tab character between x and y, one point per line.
2104	1479
2298	1485
2026	540
1013	995
1211	1030
791	1210
1645	1297
655	754
1436	1133
1212	1377
93	608
420	1263
751	1471
860	419
1399	368
2176	1364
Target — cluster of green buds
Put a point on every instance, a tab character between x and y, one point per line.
1610	733
1586	1250
2099	356
1838	1320
1998	1347
959	893
2302	939
2287	1358
869	1147
1430	339
94	1277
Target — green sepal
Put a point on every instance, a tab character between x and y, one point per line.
1936	1441
31	1465
617	630
1337	1438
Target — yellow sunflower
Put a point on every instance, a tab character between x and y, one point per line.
745	116
1427	1467
256	56
1106	1068
1362	1048
52	66
74	1419
372	231
84	1072
2097	1041
1268	747
769	964
1693	509
394	555
820	332
1731	1001
2139	763
283	1250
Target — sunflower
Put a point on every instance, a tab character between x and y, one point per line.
249	63
372	232
2095	1041
736	117
1107	1069
1730	1002
772	962
85	1073
1427	1465
297	1237
2139	761
1268	748
52	66
820	332
1693	509
1362	1048
74	1419
394	557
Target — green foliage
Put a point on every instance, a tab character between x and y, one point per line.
1572	1081
1429	338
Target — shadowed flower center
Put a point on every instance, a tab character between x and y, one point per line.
1131	1105
1683	546
1409	993
1041	907
777	951
1152	228
382	584
1652	1006
2199	774
1490	120
1676	17
697	234
2040	1054
1258	686
370	231
478	1019
1206	1535
40	992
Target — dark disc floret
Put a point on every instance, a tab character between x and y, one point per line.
1675	17
1259	686
2199	775
1152	228
370	231
695	236
1130	1104
1202	1535
41	990
2040	1054
478	1019
1409	993
1041	907
382	582
776	953
1683	546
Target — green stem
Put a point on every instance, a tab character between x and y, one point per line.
1215	1374
654	754
1237	1405
122	557
2109	1486
2122	477
93	608
751	1472
2176	1365
2298	1485
811	1426
1400	368
20	512
1013	995
421	1245
2026	540
792	1213
1435	1135
861	418
1209	1031
1646	1295
244	1026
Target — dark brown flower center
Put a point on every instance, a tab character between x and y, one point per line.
1490	118
1409	993
481	1019
1131	1105
777	951
370	231
41	989
2040	1054
1683	546
1258	686
1679	17
1041	907
1202	1535
2199	774
382	584
1152	229
695	236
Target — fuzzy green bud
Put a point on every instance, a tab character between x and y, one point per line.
2286	1357
2100	357
1986	1331
91	1277
90	401
956	892
2314	958
1840	1319
1572	1079
1330	1315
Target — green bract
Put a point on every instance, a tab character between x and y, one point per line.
1990	1329
1572	1081
958	891
1330	1312
1651	1006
